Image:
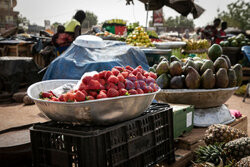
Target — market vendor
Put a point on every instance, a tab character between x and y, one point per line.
210	32
221	34
71	31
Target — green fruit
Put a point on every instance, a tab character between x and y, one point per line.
176	82
197	58
190	63
234	43
174	58
230	39
239	73
226	43
220	63
163	58
228	60
222	78
175	68
214	52
198	65
163	67
208	79
192	79
232	78
163	81
243	43
155	66
207	65
152	69
240	37
222	43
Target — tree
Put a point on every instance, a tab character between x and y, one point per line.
22	20
90	20
238	15
179	22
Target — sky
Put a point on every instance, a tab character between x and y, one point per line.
62	10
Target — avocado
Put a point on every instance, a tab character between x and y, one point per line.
207	65
163	81
192	79
198	65
239	73
228	60
197	58
155	66
163	67
208	79
220	63
163	58
190	63
214	52
176	82
152	69
232	78
174	58
222	78
175	68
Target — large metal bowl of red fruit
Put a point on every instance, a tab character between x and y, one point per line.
105	98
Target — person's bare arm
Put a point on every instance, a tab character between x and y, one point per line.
77	31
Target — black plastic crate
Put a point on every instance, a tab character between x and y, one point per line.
139	142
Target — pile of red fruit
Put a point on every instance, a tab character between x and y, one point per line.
119	81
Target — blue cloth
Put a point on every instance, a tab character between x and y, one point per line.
246	51
76	60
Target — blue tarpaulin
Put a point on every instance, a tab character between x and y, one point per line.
76	60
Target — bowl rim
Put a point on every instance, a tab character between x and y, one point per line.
197	90
84	102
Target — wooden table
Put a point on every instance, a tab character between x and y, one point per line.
188	143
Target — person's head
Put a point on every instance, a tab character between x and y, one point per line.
80	16
216	22
198	30
224	25
60	29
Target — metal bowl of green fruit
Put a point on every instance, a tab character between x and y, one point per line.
200	98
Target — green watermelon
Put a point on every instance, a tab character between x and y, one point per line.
214	52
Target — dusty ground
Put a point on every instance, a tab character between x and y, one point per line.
235	102
16	114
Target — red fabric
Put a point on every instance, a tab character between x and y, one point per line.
64	39
221	34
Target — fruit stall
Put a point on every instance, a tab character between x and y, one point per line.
132	101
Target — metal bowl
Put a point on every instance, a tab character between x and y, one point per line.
100	112
200	98
169	45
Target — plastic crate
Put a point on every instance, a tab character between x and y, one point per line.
183	119
142	141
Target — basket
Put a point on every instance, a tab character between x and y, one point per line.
142	141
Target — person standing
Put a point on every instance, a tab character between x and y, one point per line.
73	27
210	32
221	34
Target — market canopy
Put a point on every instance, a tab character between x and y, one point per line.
184	7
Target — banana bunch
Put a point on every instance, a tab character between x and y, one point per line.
196	45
